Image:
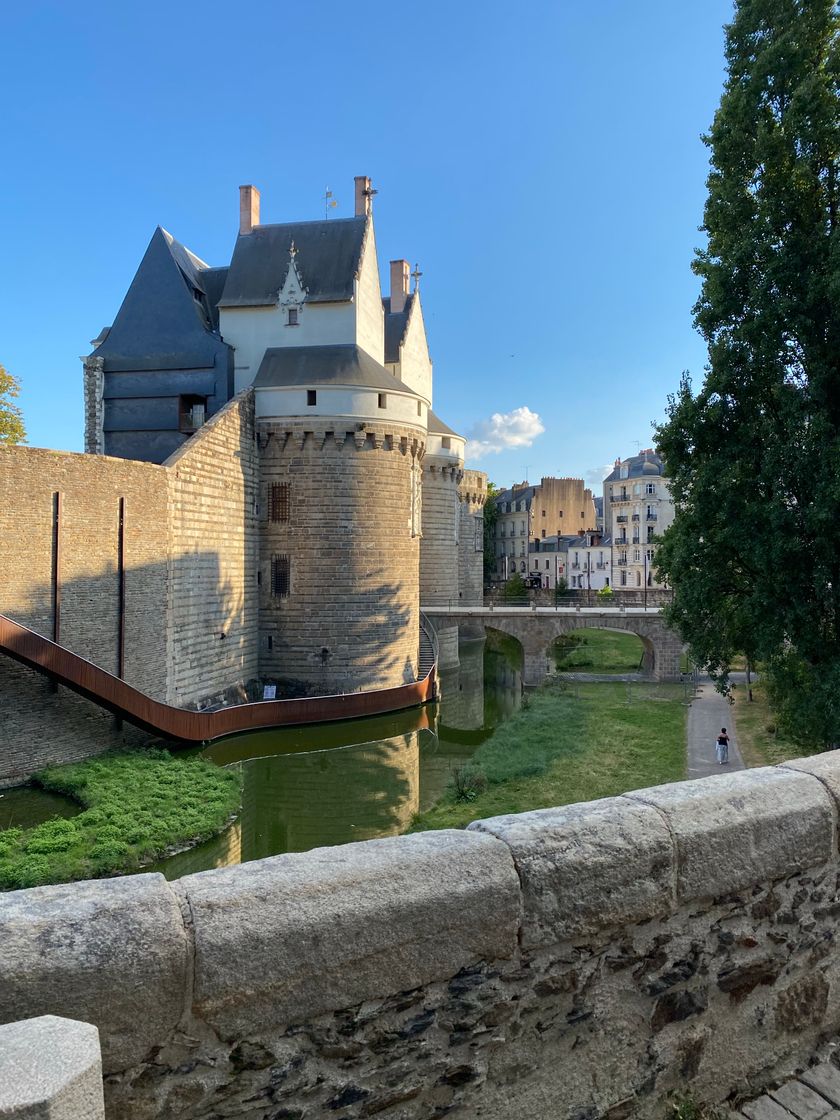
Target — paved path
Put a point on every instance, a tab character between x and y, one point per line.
814	1095
709	712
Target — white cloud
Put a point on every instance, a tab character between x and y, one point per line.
596	475
504	431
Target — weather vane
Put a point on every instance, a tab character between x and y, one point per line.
330	203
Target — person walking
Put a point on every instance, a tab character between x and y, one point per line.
722	748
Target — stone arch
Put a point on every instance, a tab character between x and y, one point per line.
648	648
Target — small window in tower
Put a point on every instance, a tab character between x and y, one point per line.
292	320
383	400
311	397
419	408
279	504
280	576
446	443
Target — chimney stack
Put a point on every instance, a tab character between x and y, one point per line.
364	195
249	208
399	285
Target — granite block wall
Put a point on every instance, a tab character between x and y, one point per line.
345	616
582	962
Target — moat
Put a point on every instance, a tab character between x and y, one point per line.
335	783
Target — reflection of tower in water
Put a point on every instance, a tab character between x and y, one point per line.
463	689
294	802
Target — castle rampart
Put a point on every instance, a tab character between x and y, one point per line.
582	961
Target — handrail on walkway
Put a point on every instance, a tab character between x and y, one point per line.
110	692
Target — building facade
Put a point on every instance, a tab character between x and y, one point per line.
637	509
526	514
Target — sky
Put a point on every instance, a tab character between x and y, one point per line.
542	163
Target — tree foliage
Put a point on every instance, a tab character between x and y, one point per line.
754	456
11	418
491	516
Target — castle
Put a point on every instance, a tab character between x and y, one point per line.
266	492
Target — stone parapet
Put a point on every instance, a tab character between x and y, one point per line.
579	961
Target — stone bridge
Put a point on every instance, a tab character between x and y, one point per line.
537	627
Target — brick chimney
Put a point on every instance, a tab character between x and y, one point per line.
249	208
364	195
399	285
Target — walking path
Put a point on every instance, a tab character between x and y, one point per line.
814	1095
709	712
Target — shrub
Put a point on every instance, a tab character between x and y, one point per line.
605	594
468	782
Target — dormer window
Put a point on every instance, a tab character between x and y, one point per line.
292	320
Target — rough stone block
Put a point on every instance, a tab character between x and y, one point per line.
824	767
765	1108
825	1079
112	952
587	867
801	1101
50	1069
734	830
283	939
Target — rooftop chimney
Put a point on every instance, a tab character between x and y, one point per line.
249	208
399	285
364	195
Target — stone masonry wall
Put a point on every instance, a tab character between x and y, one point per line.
40	723
439	548
350	535
571	963
213	487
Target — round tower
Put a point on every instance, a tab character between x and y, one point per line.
472	493
340	514
442	471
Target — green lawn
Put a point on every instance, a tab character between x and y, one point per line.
572	743
137	805
598	651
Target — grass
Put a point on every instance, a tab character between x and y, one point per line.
758	739
137	806
598	651
570	743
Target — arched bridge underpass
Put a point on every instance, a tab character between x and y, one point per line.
537	627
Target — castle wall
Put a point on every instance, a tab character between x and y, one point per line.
582	961
370	316
41	724
472	492
212	489
348	616
439	547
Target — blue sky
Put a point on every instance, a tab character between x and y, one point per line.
542	162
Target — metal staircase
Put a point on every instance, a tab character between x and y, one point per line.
428	656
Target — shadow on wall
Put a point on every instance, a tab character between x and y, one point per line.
43	724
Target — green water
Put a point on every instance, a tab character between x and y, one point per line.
335	783
27	807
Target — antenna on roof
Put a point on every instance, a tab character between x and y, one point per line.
330	203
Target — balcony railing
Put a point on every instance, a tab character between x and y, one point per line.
621	563
637	540
601	566
635	517
650	517
574	566
619	498
622	518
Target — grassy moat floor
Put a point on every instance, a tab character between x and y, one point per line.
136	806
570	742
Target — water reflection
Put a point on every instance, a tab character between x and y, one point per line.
332	784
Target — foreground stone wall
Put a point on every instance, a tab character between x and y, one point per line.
567	963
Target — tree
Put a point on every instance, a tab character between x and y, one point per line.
491	516
11	418
754	457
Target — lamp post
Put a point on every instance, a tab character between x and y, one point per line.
644	557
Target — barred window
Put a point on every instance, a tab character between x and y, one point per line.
280	575
279	505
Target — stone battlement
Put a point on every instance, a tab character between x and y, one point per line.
574	962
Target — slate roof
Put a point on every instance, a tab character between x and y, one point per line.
396	324
645	464
438	428
328	258
165	320
345	364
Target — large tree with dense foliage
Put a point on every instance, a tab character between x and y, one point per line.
491	516
754	456
11	418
